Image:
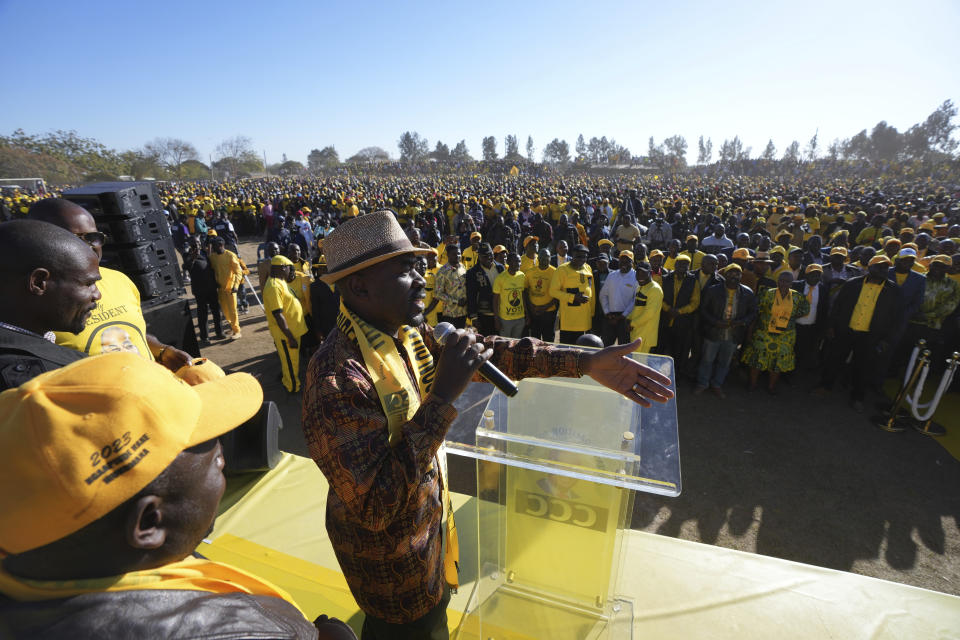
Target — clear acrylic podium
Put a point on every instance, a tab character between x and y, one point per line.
557	466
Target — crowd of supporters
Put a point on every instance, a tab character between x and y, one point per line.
536	253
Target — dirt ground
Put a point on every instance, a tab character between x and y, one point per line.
792	476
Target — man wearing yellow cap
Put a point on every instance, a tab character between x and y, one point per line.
812	327
863	317
643	316
572	286
726	311
285	319
119	474
377	406
617	297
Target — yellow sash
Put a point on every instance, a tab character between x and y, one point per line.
192	574
400	399
780	312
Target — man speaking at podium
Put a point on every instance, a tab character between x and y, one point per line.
377	404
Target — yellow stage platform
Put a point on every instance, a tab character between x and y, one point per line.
273	525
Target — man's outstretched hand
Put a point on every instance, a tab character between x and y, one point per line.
614	368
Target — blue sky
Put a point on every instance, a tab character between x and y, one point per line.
297	75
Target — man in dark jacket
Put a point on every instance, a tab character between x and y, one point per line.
480	290
119	474
681	298
863	316
726	310
48	280
812	327
203	282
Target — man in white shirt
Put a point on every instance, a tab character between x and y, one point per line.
810	328
616	300
717	242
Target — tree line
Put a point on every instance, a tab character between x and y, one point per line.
63	157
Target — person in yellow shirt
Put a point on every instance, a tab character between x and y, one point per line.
229	272
863	317
692	250
285	319
510	315
469	256
432	304
681	299
572	286
303	277
117	324
670	259
644	318
531	247
540	305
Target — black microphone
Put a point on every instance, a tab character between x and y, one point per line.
487	370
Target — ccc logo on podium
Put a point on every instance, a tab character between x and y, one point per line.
560	510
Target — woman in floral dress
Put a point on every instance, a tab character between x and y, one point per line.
770	348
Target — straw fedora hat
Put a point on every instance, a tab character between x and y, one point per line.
364	241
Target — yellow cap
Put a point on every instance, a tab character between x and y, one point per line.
79	441
604	242
199	371
280	260
626	253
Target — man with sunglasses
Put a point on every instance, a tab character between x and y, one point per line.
118	319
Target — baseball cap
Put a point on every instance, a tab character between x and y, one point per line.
907	252
79	441
682	258
779	250
880	259
741	254
839	251
280	260
813	267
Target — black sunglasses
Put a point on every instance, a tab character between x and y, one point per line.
93	238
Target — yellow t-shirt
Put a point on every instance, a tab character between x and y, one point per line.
538	284
277	295
469	257
573	316
227	268
527	263
431	277
116	324
510	289
901	277
866	303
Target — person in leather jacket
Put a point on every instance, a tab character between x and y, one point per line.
48	280
112	473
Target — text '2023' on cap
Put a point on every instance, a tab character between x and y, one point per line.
77	442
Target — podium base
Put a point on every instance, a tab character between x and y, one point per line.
515	613
896	425
930	428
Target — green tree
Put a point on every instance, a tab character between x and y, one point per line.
676	150
557	152
460	152
489	146
171	153
441	153
769	152
704	151
530	148
369	155
511	148
792	154
412	147
236	157
320	159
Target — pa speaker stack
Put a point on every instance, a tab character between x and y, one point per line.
138	236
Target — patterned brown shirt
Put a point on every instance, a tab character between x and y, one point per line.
383	507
